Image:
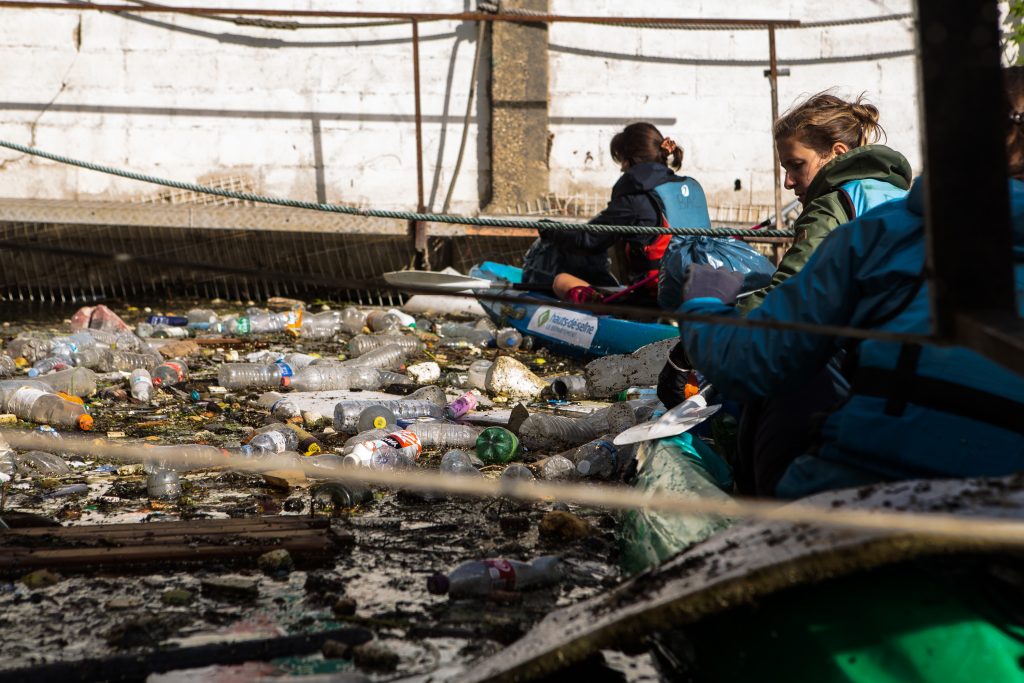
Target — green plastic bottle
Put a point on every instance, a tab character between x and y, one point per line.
497	445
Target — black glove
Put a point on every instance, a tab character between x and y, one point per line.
672	379
704	281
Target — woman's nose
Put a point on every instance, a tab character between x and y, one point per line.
789	183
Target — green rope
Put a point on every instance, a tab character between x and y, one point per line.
400	215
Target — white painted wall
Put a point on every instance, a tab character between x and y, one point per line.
185	97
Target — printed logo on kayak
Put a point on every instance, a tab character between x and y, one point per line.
568	326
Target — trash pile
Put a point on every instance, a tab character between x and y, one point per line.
107	560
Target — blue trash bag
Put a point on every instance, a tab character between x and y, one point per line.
719	252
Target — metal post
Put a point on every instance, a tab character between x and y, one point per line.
773	79
418	229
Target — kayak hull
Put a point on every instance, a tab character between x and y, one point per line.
567	331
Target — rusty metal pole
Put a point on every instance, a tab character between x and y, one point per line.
418	229
773	79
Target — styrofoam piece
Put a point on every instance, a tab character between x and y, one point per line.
438	304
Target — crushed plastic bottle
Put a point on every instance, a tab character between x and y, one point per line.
458	462
396	450
336	378
74	381
245	375
497	445
125	361
364	343
41	464
439	434
390	357
141	385
472	335
556	467
481	577
7	366
170	372
461	406
279	406
346	413
508	339
35	405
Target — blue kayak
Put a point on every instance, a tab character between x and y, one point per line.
567	331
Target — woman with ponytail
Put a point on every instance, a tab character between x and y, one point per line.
827	147
647	160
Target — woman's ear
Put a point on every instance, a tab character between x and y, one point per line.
839	148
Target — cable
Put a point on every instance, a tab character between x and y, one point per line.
400	215
480	32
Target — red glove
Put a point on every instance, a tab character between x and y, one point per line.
582	295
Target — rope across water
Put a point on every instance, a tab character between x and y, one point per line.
399	215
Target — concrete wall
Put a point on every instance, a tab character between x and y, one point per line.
328	112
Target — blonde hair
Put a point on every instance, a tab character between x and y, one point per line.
824	119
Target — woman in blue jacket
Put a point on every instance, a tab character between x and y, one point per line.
913	411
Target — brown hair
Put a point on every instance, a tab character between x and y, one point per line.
1013	80
639	143
824	119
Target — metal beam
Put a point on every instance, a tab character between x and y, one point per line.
968	233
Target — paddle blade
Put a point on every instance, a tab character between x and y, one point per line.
425	279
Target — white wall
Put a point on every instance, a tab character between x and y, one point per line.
184	97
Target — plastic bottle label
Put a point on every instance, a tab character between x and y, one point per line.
402	439
286	370
503	575
243	326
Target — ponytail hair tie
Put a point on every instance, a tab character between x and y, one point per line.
1016	117
668	144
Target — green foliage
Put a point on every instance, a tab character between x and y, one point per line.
1015	28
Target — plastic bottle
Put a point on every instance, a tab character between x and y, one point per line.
163	484
171	372
569	387
557	467
34	405
497	445
8	463
279	406
458	380
390	357
461	406
297	361
481	577
41	464
125	361
542	430
276	440
127	341
141	384
597	459
174	320
387	378
243	375
478	374
352	320
458	462
366	435
88	358
396	450
336	378
509	339
75	381
30	346
481	338
407	320
445	435
346	413
316	327
50	364
364	343
9	387
382	321
517	472
160	331
7	366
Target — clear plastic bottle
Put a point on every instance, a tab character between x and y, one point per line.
364	343
127	341
382	321
74	381
461	406
346	413
336	378
200	318
125	361
88	358
276	440
517	472
485	324
456	379
557	467
445	435
387	378
8	462
297	361
170	372
478	374
509	339
390	357
50	364
8	387
244	375
542	430
163	484
30	345
317	327
481	577
7	366
35	405
352	320
597	459
366	435
396	450
279	406
458	462
42	464
141	384
481	338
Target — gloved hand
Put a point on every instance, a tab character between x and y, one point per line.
704	281
672	379
582	295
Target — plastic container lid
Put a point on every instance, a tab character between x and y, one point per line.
375	417
438	584
286	381
85	422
